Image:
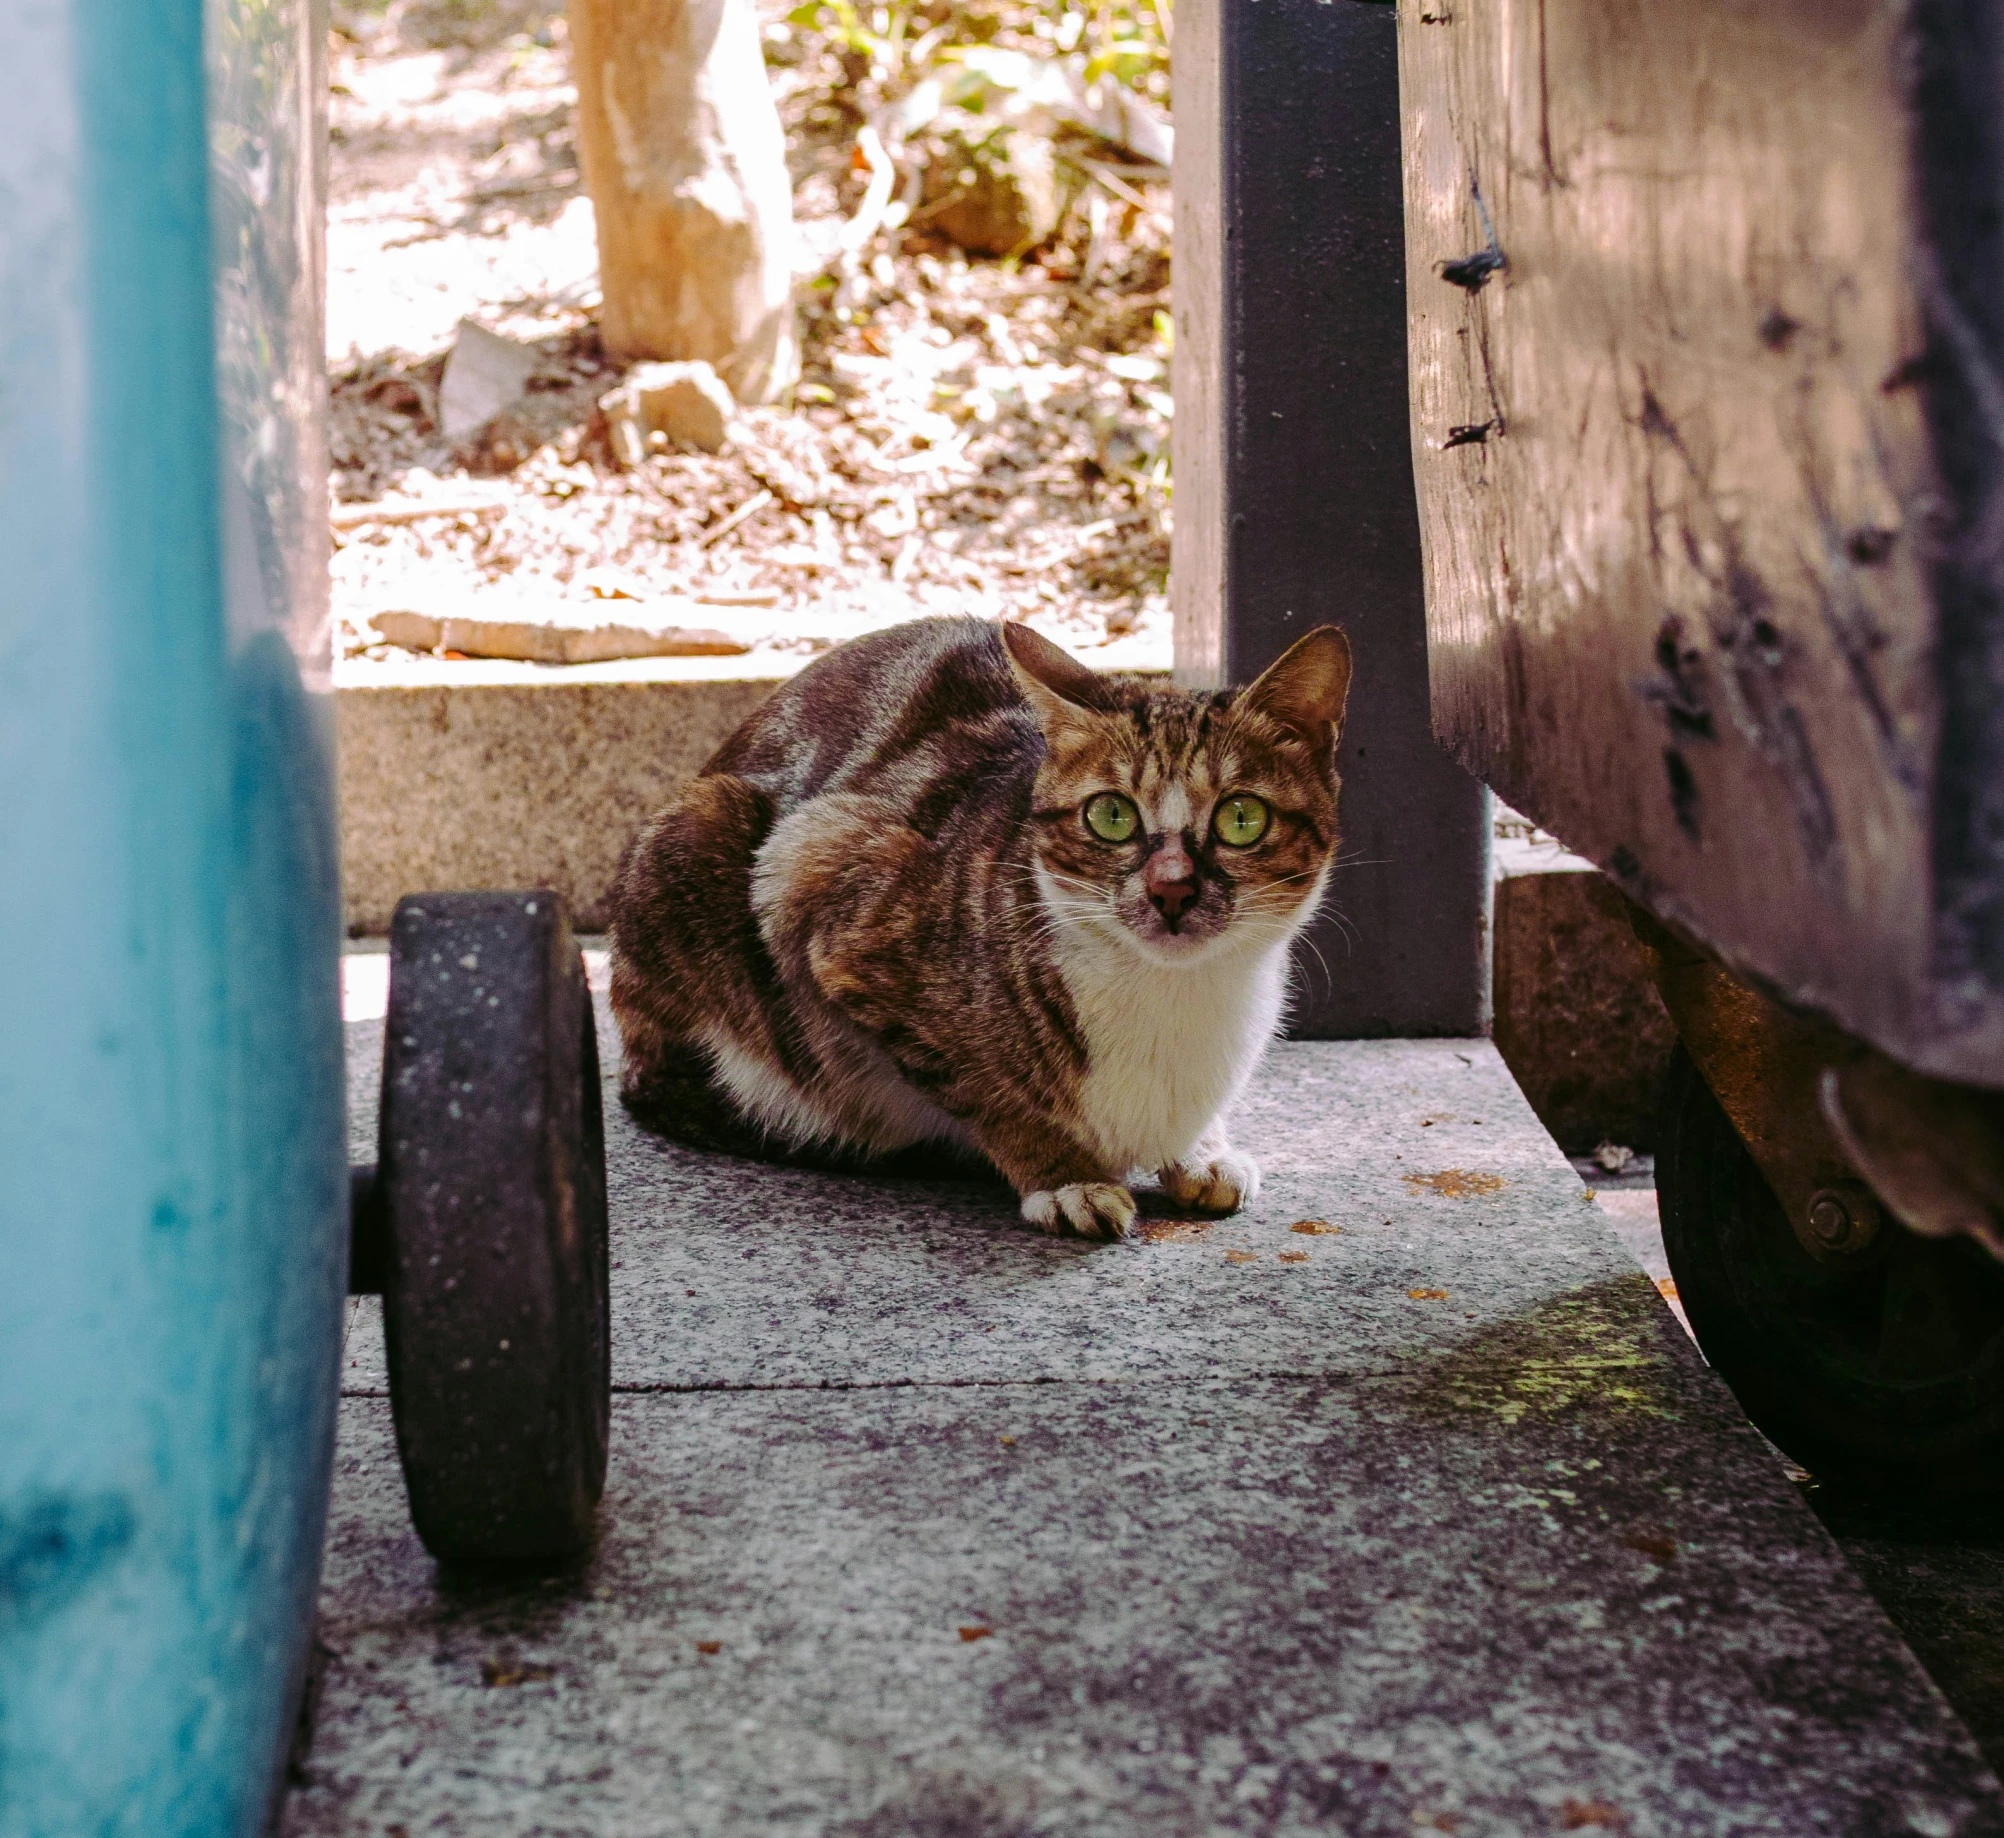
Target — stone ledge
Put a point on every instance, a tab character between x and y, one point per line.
515	783
487	773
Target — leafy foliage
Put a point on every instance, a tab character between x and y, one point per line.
893	44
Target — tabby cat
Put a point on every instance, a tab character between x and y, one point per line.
950	886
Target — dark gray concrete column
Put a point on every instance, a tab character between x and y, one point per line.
1294	486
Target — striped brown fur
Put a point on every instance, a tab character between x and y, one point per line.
879	918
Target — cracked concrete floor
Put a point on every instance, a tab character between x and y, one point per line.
1429	1519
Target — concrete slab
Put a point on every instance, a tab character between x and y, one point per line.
1938	1575
484	773
1271	1606
1443	1527
1448	1209
477	783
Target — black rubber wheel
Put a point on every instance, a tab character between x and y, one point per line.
491	1190
1883	1375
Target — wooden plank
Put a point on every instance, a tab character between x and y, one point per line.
1294	494
1197	546
1679	495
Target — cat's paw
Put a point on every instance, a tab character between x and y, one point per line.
1088	1209
1220	1184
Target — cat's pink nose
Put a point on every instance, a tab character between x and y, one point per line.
1170	878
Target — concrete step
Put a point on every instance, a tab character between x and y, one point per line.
920	1522
477	772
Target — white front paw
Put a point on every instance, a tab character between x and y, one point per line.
1219	1184
1089	1209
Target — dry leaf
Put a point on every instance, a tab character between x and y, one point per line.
709	1646
1008	1442
1455	1183
975	1633
1666	1287
1241	1257
1294	1257
1652	1544
1172	1231
1576	1815
1427	1295
1315	1228
502	1669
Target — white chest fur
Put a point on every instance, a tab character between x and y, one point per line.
1168	1048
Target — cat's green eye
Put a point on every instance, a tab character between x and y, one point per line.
1241	821
1111	817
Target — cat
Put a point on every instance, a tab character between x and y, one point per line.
949	886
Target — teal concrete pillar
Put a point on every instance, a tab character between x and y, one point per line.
173	1230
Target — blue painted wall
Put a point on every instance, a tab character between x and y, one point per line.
172	1186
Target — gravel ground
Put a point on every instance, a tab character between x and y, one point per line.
968	435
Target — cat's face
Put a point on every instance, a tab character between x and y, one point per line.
1183	823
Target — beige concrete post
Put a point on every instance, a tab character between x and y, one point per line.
686	165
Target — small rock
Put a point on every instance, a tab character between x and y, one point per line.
483	375
994	196
686	404
623	432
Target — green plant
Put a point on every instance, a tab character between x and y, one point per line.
1128	40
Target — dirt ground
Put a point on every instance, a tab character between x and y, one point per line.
968	435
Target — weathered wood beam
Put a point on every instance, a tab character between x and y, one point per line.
1294	489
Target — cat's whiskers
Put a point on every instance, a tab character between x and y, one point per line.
1277	887
1261	933
1074	907
1321	963
1045	921
1080	904
1050	910
1082	891
1049	925
1343	921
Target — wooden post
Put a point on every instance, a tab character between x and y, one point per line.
1294	483
1197	541
686	165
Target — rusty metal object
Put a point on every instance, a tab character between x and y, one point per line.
1844	1219
1577	1019
1766	1066
1841	1133
1712	595
1876	1371
1935	1152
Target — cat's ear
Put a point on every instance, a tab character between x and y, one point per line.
1060	689
1308	685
